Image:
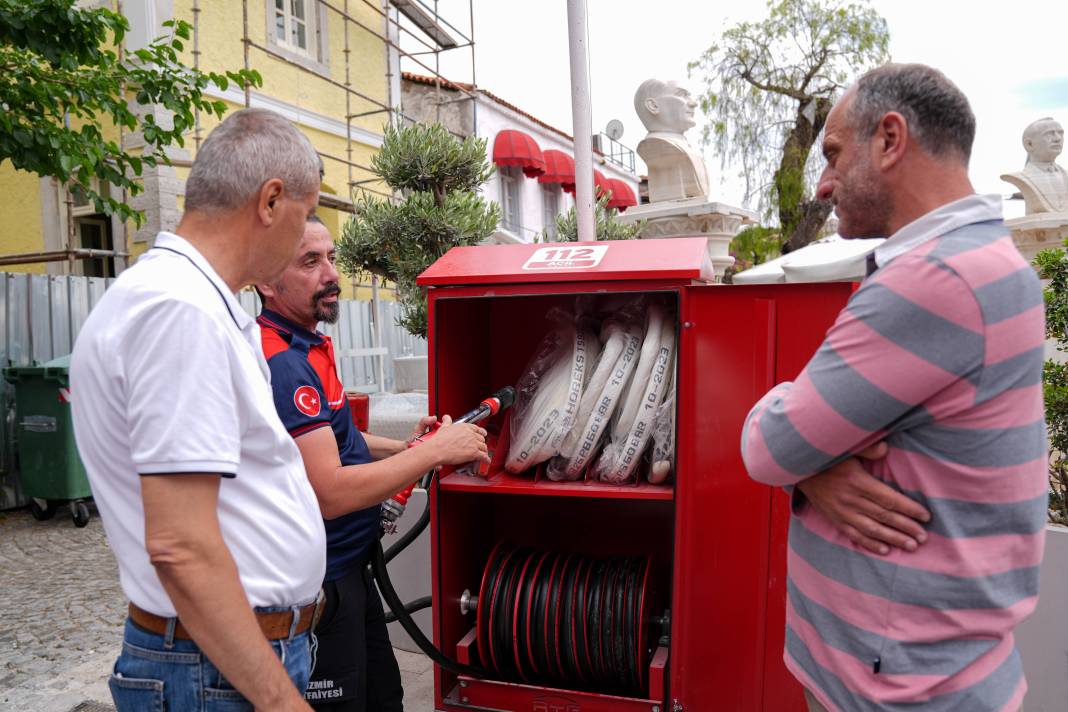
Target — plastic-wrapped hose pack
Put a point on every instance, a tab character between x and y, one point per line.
635	425
548	396
622	342
662	451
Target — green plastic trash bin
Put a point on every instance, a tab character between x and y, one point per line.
50	469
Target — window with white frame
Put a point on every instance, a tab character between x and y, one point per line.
294	26
92	230
550	200
511	210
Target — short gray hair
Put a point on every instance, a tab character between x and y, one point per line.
937	112
249	148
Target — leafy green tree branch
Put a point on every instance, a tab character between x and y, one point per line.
63	85
767	88
1053	266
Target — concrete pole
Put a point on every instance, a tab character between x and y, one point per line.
581	118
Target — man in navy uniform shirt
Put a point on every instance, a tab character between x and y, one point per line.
351	473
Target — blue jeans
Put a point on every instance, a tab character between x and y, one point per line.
154	674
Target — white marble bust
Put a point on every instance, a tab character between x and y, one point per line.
1043	183
676	170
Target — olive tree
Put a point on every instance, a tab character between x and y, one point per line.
438	177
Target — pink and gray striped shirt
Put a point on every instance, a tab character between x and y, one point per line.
939	353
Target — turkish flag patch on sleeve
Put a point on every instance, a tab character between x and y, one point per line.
307	401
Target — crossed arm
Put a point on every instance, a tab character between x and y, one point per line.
888	352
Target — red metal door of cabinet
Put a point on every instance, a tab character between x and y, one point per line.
804	313
728	613
722	517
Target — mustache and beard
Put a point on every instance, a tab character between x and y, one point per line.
330	312
862	203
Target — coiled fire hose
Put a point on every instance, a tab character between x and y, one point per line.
554	617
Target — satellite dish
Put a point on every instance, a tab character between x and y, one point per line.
614	129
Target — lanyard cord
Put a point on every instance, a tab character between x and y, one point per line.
210	281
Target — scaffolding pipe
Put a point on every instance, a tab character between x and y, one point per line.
339	159
69	199
474	83
414	35
298	65
437	72
246	41
390	99
581	117
196	66
348	105
443	22
122	147
29	258
385	39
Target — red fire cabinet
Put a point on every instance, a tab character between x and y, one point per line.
717	540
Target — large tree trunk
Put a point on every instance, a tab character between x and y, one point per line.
799	217
814	214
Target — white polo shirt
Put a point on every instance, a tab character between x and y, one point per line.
168	376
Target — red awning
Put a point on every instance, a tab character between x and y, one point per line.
559	168
515	148
600	184
622	195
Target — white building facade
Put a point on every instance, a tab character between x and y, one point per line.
533	159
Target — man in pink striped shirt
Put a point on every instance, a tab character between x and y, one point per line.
913	443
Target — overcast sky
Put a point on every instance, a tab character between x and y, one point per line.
1010	59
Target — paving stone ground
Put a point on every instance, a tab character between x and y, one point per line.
61	615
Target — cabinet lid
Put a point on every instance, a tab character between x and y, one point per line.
684	258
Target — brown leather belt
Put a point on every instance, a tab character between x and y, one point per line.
276	625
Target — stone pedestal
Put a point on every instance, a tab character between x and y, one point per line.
696	217
1041	231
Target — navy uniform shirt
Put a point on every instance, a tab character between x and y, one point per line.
308	395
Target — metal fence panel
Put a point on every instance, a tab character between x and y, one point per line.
59	298
8	490
18	351
40	317
4	321
78	301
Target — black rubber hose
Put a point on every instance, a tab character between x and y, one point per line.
411	607
412	534
378	566
427	479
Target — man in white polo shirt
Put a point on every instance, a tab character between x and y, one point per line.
202	492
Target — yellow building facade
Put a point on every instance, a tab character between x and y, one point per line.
325	66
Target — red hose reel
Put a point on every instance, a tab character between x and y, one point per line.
551	617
